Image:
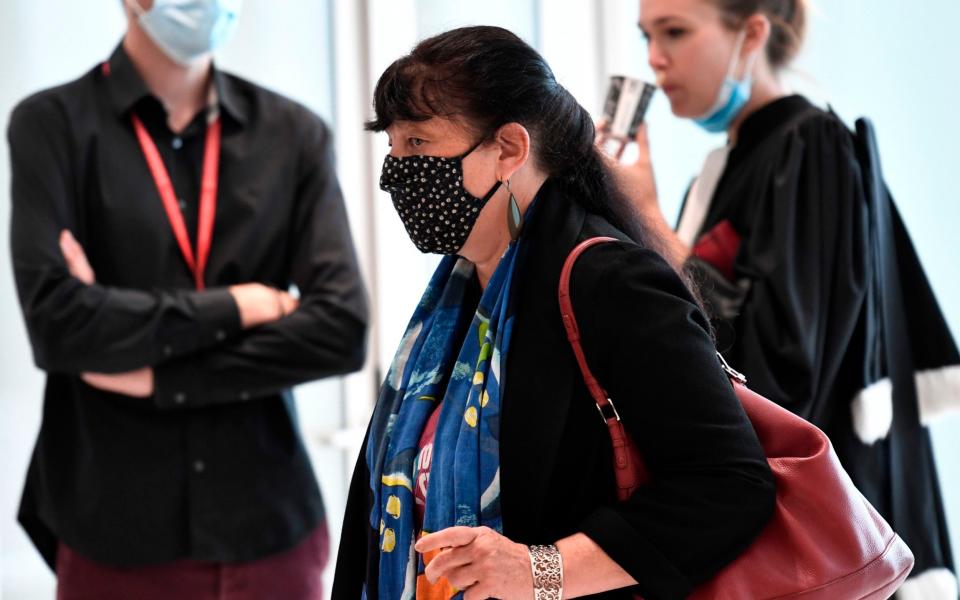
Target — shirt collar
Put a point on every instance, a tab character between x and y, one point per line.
127	87
231	100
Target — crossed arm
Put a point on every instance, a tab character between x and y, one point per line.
188	348
256	303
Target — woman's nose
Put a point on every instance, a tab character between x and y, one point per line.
655	57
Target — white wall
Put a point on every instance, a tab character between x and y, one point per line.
39	47
892	61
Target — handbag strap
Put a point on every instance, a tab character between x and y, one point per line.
604	404
573	331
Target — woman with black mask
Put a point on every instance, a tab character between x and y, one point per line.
486	468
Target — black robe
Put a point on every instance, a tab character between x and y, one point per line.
802	318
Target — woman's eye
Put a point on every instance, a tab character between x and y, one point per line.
416	142
676	32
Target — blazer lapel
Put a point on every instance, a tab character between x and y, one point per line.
540	372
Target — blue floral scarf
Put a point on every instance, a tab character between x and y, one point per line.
450	353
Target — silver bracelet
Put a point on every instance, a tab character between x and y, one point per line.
547	566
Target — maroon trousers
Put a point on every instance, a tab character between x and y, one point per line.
291	575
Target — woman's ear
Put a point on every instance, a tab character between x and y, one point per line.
514	142
757	29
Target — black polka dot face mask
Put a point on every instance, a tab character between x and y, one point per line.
427	191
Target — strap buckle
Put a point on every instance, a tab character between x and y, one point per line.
612	409
731	372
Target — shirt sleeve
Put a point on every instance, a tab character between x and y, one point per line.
74	327
324	336
711	490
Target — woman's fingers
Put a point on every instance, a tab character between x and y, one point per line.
479	560
620	149
447	538
643	143
641	139
603	132
445	563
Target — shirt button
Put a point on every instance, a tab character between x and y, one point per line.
220	335
179	398
177	143
244	395
167	350
199	466
183	205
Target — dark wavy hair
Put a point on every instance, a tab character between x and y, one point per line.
486	77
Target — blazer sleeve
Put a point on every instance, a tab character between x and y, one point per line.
711	489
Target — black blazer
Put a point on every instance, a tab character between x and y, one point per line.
649	345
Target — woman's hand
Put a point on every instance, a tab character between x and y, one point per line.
635	180
479	561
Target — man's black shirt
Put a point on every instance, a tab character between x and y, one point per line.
212	467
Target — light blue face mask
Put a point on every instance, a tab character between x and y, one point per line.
187	29
733	94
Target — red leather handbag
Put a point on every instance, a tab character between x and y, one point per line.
824	541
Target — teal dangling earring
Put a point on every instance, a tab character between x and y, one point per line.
514	216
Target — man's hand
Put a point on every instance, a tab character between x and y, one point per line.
76	258
137	384
259	304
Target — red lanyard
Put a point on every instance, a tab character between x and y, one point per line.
208	193
208	196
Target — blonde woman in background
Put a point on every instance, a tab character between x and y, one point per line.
775	230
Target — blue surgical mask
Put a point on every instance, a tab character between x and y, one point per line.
733	94
187	29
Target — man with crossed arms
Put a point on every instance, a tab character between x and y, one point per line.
161	208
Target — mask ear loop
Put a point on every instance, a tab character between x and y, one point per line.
472	148
748	67
135	6
735	59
